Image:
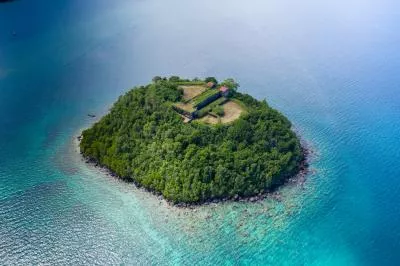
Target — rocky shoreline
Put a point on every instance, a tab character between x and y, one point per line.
272	193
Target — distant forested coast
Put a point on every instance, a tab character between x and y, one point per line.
193	141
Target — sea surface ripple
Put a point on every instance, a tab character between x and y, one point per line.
331	67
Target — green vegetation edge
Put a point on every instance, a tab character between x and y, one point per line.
143	140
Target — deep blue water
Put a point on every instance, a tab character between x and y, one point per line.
331	67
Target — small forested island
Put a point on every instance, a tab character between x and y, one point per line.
193	141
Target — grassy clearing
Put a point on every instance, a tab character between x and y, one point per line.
219	101
240	103
189	92
208	119
232	110
188	107
204	96
192	83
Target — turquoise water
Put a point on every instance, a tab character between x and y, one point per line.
332	68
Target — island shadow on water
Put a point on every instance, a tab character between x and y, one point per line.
209	102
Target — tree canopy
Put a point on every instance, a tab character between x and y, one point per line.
211	79
144	140
231	84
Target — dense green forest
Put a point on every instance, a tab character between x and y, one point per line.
142	139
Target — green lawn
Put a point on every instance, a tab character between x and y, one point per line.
204	96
